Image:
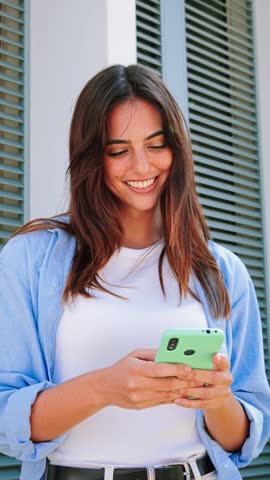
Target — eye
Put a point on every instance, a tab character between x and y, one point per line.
157	147
116	154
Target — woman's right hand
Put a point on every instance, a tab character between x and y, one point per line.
137	382
134	382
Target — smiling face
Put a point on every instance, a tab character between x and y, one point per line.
137	159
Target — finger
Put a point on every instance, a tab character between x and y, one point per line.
180	371
145	399
221	362
165	384
197	403
202	392
147	354
211	377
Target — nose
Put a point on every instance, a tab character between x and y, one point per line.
140	162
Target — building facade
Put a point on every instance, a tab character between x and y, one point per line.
214	58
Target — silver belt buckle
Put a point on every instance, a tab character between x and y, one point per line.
187	470
193	467
108	473
151	470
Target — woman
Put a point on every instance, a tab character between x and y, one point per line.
85	298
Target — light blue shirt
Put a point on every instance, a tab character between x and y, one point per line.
33	271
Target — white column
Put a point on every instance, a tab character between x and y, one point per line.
262	15
69	41
121	29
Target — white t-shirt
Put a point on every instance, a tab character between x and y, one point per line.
95	333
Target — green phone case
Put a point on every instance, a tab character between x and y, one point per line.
191	346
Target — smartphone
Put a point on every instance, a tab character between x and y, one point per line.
191	346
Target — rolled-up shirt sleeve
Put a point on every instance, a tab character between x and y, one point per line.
250	385
23	371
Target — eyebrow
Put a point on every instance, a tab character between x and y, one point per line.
119	142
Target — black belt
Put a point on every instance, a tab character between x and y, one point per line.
168	472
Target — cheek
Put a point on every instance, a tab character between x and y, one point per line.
112	170
165	163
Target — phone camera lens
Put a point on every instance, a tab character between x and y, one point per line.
208	331
172	344
189	352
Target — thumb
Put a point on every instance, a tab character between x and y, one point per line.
221	362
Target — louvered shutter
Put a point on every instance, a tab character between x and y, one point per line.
12	117
148	34
11	142
222	118
223	124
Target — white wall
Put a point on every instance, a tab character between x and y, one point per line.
262	15
70	40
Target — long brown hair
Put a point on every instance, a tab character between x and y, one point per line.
94	217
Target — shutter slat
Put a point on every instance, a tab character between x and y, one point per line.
13	131
144	39
12	118
9	222
10	195
10	91
6	28
11	182
10	209
11	17
12	5
11	156
10	54
10	79
12	42
11	169
151	19
10	66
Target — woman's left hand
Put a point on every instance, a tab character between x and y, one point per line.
215	389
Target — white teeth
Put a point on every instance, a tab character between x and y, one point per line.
144	184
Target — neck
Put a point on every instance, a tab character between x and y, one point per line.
141	229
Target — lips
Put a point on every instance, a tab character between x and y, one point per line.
142	186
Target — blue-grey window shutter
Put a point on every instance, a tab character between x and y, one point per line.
148	34
11	142
222	115
223	123
12	117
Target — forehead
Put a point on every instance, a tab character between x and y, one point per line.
133	117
